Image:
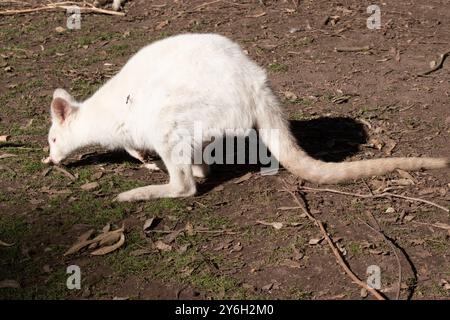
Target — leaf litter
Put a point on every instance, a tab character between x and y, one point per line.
107	240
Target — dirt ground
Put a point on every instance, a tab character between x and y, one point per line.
343	105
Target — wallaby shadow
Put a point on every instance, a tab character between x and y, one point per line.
330	139
326	138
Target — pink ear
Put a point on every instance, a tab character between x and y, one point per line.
61	109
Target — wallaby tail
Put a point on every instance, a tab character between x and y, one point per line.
283	146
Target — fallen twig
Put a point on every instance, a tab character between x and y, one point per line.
84	7
352	49
436	225
378	230
438	65
196	231
374	196
339	259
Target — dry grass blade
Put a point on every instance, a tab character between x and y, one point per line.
339	259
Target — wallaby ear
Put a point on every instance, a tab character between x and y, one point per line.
61	93
61	109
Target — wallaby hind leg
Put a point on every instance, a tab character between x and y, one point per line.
152	166
181	184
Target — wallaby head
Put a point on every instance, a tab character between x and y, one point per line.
63	111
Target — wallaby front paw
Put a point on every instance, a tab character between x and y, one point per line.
125	197
152	166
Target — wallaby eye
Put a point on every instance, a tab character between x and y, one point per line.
54	140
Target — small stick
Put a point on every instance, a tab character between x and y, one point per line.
352	49
436	225
381	195
339	259
63	5
381	233
438	66
197	231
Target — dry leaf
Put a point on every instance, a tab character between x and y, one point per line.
109	249
4	138
172	236
297	254
78	246
140	252
257	15
162	24
162	246
267	287
110	239
236	248
4	244
445	284
290	96
315	241
291	264
243	178
82	244
219	188
427	191
8	283
148	224
106	228
85	236
389	147
97	175
276	225
378	252
183	249
66	173
47	268
90	186
402	182
406	175
189	229
390	210
364	293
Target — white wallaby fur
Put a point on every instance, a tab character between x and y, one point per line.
174	82
116	4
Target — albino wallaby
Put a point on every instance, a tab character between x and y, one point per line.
176	82
116	4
